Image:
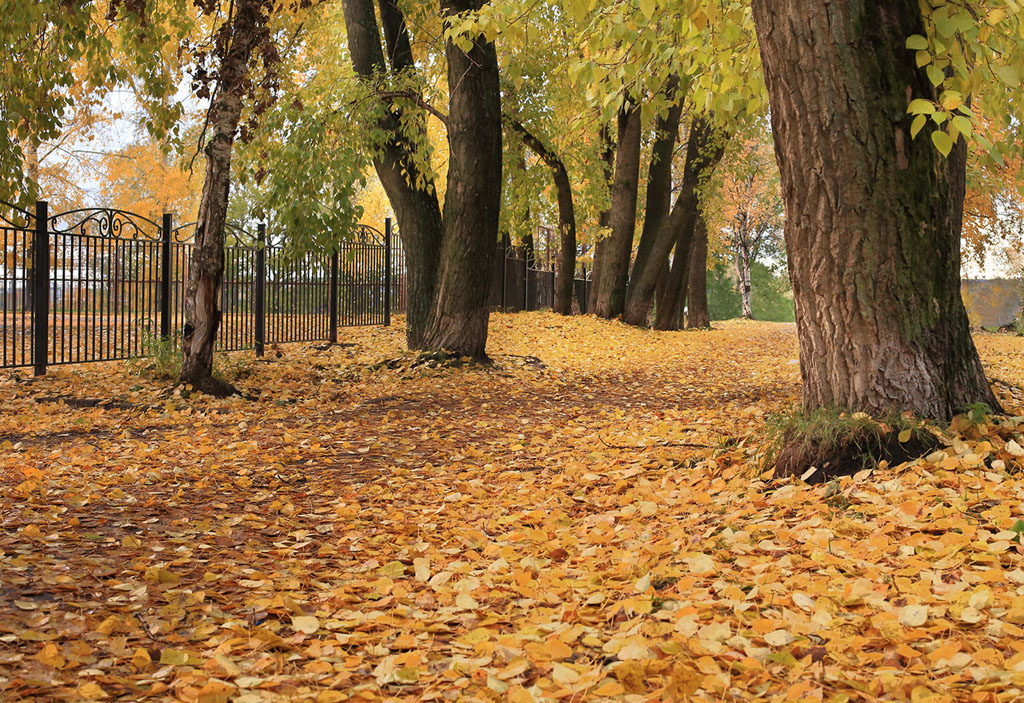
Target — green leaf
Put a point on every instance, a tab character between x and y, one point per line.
921	107
1008	75
917	42
942	142
922	58
648	7
916	125
962	125
935	74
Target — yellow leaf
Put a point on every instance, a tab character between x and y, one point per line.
306	624
518	694
92	692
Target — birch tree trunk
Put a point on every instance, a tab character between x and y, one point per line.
206	269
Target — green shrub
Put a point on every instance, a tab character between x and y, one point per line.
160	360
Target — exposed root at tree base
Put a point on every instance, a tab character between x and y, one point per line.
212	386
847	454
430	360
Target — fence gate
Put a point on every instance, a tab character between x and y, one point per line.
99	284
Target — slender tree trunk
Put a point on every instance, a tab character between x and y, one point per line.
473	198
659	188
697	316
413	199
566	220
611	256
604	218
743	269
206	268
704	149
873	217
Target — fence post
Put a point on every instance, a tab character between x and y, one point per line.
261	289
387	271
504	271
165	277
41	287
332	299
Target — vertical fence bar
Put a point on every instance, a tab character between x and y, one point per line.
387	271
41	287
332	300
259	331
165	276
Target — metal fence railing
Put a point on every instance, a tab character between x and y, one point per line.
98	284
521	282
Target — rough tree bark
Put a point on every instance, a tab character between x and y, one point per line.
743	271
603	219
206	268
873	217
416	206
473	196
449	256
659	201
697	316
611	255
566	220
703	151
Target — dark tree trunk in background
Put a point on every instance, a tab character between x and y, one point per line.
873	217
206	268
697	316
743	270
607	169
611	255
449	258
659	201
704	149
473	196
416	208
566	220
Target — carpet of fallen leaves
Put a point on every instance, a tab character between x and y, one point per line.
584	521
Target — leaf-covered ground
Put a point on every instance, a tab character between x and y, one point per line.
585	521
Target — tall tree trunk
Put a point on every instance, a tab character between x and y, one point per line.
873	217
697	316
604	218
611	255
206	268
413	199
473	196
659	188
566	219
743	270
703	151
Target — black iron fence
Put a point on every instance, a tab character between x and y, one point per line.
100	284
524	282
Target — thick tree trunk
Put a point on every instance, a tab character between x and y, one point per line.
697	316
473	197
704	150
206	268
659	189
873	217
611	255
566	220
413	199
743	270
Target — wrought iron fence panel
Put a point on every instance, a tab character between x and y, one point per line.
99	284
16	315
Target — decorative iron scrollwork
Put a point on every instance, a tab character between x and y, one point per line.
183	234
365	234
106	222
15	212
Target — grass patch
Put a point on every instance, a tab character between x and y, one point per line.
836	442
160	360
